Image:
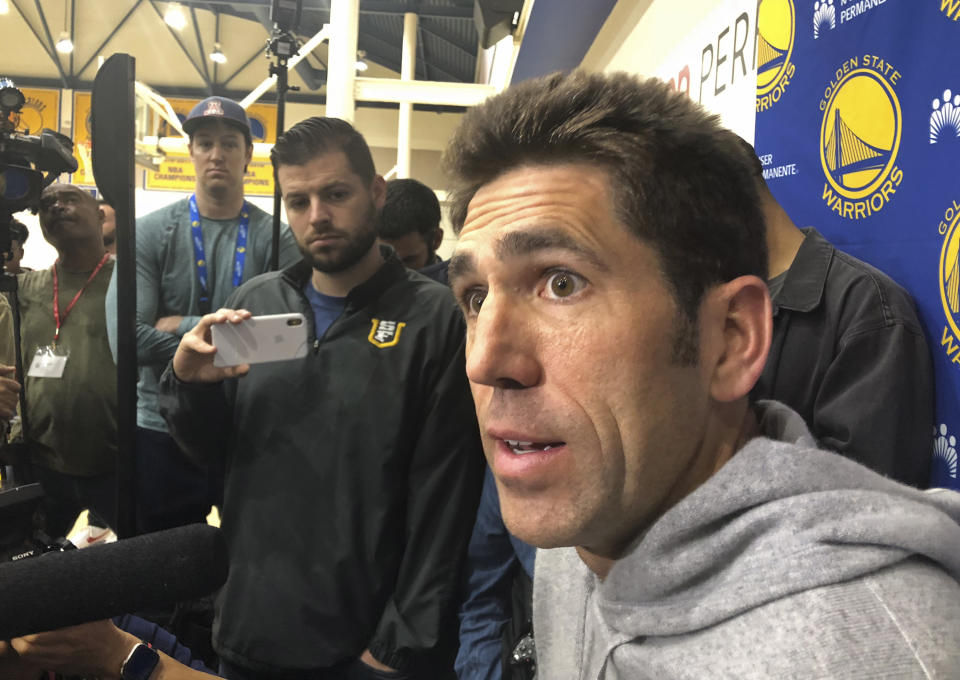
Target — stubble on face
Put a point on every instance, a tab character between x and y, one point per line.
345	254
585	371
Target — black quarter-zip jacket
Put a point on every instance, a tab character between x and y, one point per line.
352	480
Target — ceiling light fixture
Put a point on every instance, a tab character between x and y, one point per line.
217	55
4	7
361	64
174	16
64	45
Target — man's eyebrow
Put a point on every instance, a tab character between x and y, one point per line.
461	265
530	241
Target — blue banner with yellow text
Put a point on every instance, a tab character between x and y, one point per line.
858	129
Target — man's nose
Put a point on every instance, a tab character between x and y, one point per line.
319	212
502	346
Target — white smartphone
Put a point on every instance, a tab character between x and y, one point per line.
274	337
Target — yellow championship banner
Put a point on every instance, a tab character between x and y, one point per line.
41	110
176	173
81	139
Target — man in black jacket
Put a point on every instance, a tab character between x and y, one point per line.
848	351
352	474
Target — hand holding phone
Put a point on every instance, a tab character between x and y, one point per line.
259	339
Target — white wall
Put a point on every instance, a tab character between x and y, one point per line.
665	38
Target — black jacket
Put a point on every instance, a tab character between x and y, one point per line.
849	355
352	482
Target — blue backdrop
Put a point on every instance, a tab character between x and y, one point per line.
858	127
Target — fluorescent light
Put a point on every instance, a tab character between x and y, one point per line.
4	7
64	44
217	55
174	17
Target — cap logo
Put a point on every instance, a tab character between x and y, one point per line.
214	108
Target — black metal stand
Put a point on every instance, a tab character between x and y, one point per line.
15	454
282	46
113	151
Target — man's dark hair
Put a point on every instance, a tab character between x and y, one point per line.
410	206
680	181
18	231
755	165
317	136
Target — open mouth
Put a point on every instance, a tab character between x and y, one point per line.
521	448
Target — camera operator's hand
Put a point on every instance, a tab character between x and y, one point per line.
193	361
12	667
9	392
98	648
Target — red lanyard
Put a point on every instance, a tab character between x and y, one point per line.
56	296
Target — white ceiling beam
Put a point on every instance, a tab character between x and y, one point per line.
421	92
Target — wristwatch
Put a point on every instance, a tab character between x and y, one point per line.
140	663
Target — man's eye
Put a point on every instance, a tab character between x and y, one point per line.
563	284
474	301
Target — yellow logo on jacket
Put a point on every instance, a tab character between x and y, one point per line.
385	333
860	137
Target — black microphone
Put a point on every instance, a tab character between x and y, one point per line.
60	589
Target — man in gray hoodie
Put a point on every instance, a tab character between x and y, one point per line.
611	269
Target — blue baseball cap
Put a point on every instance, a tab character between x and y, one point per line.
218	108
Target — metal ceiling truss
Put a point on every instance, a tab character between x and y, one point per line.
109	37
49	42
459	11
183	47
46	45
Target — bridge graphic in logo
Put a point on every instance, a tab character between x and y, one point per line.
846	153
769	58
860	133
776	30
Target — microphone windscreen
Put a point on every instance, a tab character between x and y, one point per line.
60	589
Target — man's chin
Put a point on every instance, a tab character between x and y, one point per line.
539	529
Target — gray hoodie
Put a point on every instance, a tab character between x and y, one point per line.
789	562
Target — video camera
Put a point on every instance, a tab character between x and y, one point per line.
19	536
24	158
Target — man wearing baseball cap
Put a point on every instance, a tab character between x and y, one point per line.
191	254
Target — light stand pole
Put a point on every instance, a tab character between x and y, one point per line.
283	45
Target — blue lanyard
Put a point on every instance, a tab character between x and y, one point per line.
240	252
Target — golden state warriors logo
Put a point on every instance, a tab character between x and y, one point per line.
385	333
860	137
776	35
949	274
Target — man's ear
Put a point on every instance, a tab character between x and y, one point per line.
437	238
248	158
742	329
378	189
